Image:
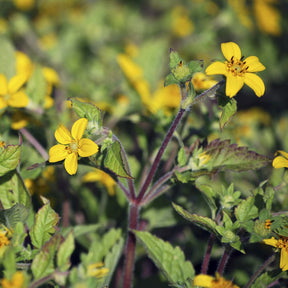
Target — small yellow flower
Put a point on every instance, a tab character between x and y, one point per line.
238	71
4	241
281	159
281	243
181	24
97	270
72	144
10	93
202	82
17	281
2	144
203	280
102	177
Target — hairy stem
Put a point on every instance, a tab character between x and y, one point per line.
207	255
224	260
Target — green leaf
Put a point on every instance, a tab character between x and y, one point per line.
195	66
171	261
182	159
64	253
267	278
174	59
45	221
115	161
170	79
13	190
246	210
7	58
203	222
9	158
88	111
229	109
81	230
10	217
9	262
43	262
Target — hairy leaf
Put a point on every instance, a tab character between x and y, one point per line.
9	158
10	217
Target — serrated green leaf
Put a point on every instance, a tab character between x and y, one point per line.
246	210
115	162
228	111
171	261
12	190
170	79
10	217
88	111
7	58
43	262
9	158
224	155
204	222
37	87
174	59
64	253
45	221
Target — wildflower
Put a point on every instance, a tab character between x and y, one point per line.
281	159
72	144
203	280
238	71
97	270
268	224
201	82
2	144
102	177
281	243
182	25
24	64
17	281
10	93
4	241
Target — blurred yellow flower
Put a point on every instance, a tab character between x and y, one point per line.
204	280
281	243
102	177
242	10
24	64
3	25
237	70
4	241
281	160
202	82
24	4
97	270
11	93
17	281
2	144
72	144
181	24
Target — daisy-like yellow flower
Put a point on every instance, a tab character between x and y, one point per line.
72	144
238	71
281	159
203	280
281	243
11	93
102	177
17	281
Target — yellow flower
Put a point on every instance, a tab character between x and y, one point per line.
202	82
203	280
102	177
24	64
97	270
238	71
24	4
72	144
281	243
10	93
17	281
281	159
2	144
182	25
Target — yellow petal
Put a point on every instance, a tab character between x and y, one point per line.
78	128
272	242
62	135
18	100
283	153
231	49
3	103
71	163
216	68
92	177
16	82
254	64
57	153
284	259
50	75
255	83
87	147
3	85
233	85
203	280
280	162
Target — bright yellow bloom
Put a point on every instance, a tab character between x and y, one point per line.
203	280
72	144
97	270
10	93
238	71
281	243
102	177
4	241
17	281
281	159
202	82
